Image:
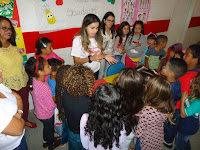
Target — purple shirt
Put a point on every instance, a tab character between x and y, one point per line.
42	99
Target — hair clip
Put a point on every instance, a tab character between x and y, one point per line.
36	67
44	45
153	34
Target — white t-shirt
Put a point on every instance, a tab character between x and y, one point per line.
78	51
8	108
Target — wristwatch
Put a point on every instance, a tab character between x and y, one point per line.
90	61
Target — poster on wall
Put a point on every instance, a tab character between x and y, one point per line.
142	8
127	11
51	16
6	8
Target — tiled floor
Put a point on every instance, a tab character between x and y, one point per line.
34	137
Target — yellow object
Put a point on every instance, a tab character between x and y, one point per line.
14	75
110	79
4	2
50	17
135	59
20	40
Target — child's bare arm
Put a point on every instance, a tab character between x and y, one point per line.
182	108
147	61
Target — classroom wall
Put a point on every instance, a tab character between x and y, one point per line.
169	17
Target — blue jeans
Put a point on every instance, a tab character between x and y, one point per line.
170	130
103	69
118	58
65	133
182	142
74	141
137	145
23	145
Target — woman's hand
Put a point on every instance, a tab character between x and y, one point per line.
184	96
110	59
96	57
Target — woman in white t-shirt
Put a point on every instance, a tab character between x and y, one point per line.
87	46
12	123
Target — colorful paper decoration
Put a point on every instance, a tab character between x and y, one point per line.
6	8
111	1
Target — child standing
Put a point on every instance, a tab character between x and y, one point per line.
108	32
122	33
135	45
154	56
87	46
174	69
77	82
132	99
44	48
37	68
103	127
190	109
55	64
151	42
159	107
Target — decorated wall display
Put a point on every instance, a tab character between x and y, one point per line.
6	8
58	14
127	11
142	8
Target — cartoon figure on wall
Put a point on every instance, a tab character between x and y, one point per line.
50	17
127	12
111	1
6	8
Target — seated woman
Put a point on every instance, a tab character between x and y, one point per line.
12	123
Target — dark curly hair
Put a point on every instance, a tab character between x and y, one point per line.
54	63
78	81
30	67
131	84
60	72
106	118
13	35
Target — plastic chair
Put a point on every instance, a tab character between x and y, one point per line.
115	68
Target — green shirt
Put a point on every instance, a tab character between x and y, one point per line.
192	107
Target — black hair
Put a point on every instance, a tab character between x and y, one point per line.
195	49
161	39
152	36
41	43
103	23
138	22
180	53
178	66
120	32
30	67
106	117
142	31
13	35
59	89
54	63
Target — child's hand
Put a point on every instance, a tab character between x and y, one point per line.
110	59
184	96
96	57
138	44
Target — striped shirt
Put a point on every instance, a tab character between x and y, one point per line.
42	99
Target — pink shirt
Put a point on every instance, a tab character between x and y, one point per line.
87	144
53	55
42	99
150	128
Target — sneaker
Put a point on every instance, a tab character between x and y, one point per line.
45	144
56	143
168	145
62	145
